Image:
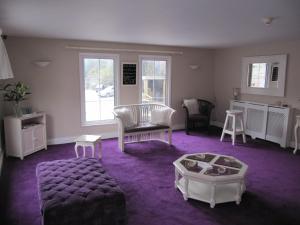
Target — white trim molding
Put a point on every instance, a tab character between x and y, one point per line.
116	68
107	135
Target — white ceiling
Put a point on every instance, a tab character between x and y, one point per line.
196	23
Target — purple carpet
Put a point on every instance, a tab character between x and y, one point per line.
146	175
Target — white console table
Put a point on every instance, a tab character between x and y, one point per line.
25	135
265	121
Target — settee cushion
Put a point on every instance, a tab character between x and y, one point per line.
145	127
79	192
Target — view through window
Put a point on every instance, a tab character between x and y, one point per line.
98	75
155	79
257	75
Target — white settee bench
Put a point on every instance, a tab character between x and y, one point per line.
142	122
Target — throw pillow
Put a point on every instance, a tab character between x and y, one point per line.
192	105
160	116
126	116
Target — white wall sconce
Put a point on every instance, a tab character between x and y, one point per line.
194	66
42	63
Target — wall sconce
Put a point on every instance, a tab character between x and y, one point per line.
42	63
194	67
236	93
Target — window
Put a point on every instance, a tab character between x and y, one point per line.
155	79
98	81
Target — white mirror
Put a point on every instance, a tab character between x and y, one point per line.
264	75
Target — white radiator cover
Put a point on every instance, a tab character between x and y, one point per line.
265	121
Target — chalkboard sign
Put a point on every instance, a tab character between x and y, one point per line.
129	73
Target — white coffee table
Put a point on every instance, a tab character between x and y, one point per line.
211	178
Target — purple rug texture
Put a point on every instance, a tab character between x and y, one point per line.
146	174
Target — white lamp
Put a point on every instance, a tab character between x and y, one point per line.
5	67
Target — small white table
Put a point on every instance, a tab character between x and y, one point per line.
210	177
88	141
296	135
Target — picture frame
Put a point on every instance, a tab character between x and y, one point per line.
129	70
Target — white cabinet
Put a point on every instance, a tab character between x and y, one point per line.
265	121
25	135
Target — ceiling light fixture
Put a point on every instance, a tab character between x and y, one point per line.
267	20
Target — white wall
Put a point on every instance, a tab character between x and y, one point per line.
55	88
228	67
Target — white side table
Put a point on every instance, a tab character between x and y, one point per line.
88	141
296	135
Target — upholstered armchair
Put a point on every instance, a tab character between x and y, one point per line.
198	113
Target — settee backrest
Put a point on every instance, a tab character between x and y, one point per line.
141	112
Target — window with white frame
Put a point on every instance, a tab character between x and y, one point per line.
99	82
155	79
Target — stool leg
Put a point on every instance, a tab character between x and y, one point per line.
76	151
243	129
83	149
233	130
225	125
296	138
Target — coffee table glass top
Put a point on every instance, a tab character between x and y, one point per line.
228	161
212	165
203	157
191	165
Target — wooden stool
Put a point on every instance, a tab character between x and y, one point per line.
88	141
234	114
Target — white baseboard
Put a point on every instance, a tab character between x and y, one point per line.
178	126
217	123
220	124
292	145
65	140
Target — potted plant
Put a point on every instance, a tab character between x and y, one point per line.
16	93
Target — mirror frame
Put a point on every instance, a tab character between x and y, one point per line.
281	60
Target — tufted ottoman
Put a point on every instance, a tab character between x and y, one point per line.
79	192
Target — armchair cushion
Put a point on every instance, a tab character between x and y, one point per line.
192	105
126	116
160	116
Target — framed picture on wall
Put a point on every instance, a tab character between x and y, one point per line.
129	73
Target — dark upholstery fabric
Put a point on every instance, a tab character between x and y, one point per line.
79	192
201	119
145	127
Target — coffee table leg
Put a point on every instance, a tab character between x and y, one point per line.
176	178
243	186
186	188
239	192
212	198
